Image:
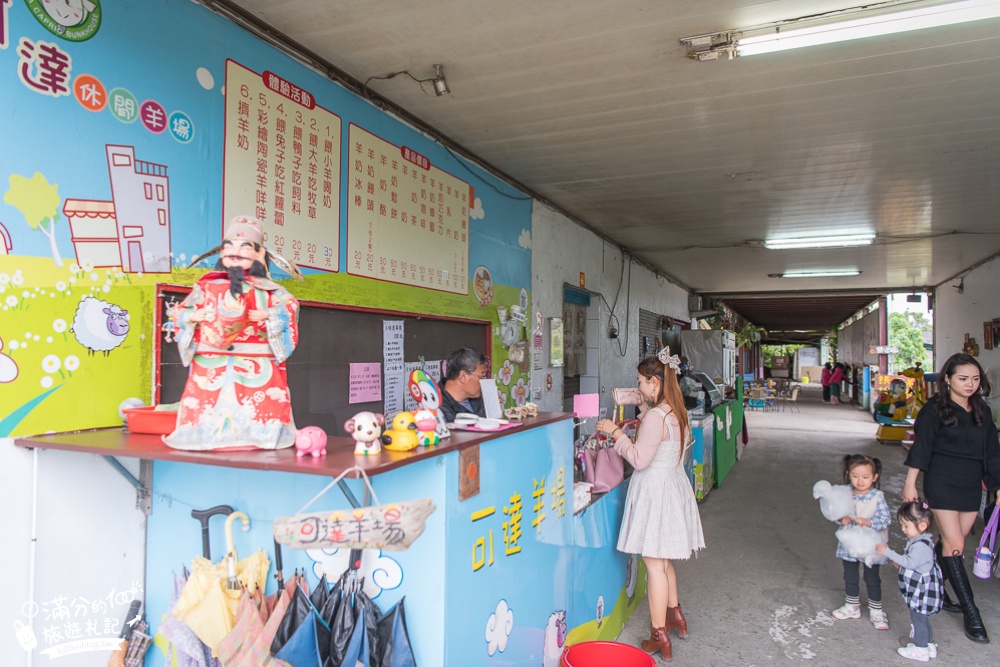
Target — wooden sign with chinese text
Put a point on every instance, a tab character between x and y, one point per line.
391	527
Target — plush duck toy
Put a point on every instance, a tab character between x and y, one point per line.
402	437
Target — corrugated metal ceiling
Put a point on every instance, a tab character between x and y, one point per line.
593	106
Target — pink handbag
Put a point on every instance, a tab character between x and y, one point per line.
604	468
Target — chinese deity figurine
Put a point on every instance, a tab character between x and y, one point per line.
234	332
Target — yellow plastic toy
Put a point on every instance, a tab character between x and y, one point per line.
426	423
403	434
919	385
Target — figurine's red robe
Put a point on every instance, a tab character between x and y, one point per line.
236	395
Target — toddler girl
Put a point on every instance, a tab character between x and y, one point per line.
870	509
920	578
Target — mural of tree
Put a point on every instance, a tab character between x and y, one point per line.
38	201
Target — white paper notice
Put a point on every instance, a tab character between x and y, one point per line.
433	368
393	389
392	353
392	341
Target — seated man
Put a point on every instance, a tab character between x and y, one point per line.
465	367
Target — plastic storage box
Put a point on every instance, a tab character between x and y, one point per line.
150	420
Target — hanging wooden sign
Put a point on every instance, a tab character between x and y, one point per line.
391	527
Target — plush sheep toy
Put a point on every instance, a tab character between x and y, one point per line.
836	502
859	542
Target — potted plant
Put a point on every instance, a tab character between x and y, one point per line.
749	335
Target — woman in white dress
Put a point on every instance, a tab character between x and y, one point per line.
661	521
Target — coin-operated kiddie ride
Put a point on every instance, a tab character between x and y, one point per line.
896	407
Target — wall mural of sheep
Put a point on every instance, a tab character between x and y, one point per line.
46	313
100	326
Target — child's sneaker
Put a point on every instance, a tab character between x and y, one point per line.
847	611
878	619
914	652
931	646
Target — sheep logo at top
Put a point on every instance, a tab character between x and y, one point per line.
72	20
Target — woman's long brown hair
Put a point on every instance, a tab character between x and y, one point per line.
670	393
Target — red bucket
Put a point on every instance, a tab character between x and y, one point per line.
605	654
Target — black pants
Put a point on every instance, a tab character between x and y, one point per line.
873	582
826	393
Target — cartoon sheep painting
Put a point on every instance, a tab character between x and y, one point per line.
555	639
99	326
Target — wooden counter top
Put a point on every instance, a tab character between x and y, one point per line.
340	450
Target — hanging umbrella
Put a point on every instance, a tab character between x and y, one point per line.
211	595
248	624
186	649
394	640
321	593
300	634
118	657
258	653
278	574
353	618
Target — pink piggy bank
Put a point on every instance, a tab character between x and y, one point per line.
310	440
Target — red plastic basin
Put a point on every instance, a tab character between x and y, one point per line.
150	420
606	654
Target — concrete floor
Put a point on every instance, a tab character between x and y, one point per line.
762	591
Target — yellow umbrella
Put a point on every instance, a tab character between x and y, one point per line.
211	596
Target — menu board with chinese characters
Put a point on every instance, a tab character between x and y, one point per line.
407	220
282	165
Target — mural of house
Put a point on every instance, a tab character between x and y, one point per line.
6	245
94	230
133	229
141	195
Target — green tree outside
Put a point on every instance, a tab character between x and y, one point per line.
771	351
906	332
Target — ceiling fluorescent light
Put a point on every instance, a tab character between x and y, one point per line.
872	26
817	274
833	241
882	18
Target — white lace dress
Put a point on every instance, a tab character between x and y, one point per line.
661	517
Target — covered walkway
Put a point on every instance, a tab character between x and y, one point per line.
762	591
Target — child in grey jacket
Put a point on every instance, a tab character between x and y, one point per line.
920	579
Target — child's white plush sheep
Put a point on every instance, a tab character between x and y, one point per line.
835	502
859	542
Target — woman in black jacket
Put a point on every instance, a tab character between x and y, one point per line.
957	449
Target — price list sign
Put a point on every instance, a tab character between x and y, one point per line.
282	165
407	220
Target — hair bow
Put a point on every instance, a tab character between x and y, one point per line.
668	359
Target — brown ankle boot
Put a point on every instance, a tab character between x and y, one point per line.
658	641
675	619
